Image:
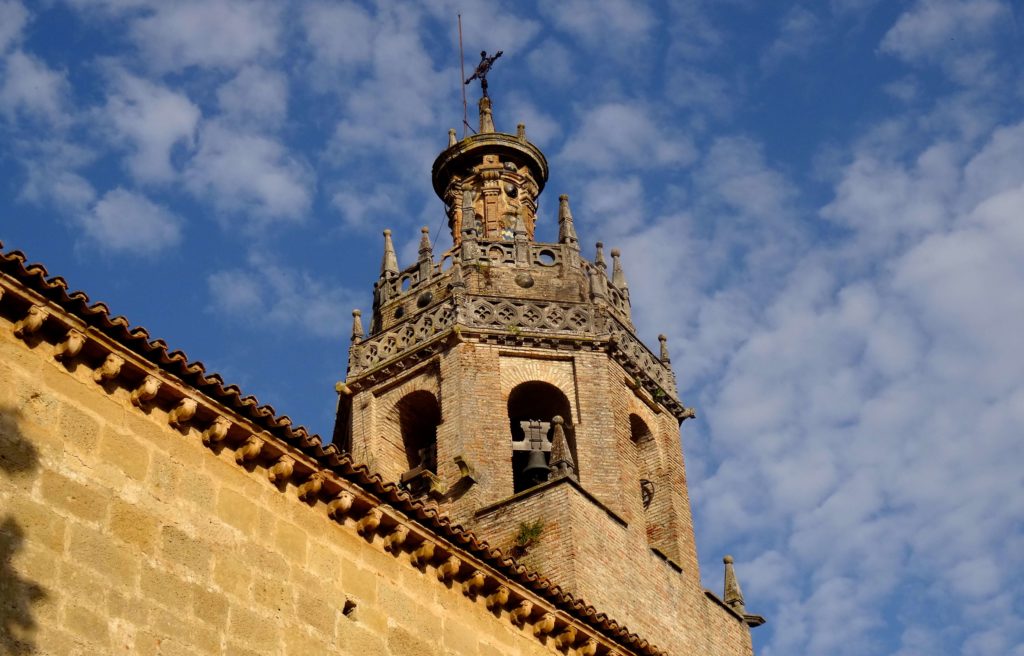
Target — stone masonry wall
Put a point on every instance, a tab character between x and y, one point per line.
119	534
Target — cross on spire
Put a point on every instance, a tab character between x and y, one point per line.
483	68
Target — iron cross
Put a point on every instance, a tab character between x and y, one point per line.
482	69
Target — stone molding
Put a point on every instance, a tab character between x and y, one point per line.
499	320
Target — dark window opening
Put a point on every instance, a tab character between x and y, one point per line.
418	417
531	407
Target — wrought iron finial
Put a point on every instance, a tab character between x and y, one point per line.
483	68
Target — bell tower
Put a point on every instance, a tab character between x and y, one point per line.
503	380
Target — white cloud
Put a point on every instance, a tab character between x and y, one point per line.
250	174
340	34
151	120
212	33
616	136
956	34
930	26
127	222
872	402
799	32
550	62
372	208
31	89
256	96
13	18
616	27
276	297
53	175
541	127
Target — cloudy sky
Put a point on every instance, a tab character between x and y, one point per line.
821	202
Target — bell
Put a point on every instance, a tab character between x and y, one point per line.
536	470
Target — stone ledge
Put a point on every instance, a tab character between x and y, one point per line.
537	489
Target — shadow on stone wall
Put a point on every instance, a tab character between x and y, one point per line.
18	459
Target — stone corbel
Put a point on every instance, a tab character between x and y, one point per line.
110	369
340	505
71	346
394	540
448	569
216	432
544	626
369	522
32	322
589	648
497	599
423	554
282	470
474	585
567	638
146	391
249	451
521	613
182	413
309	490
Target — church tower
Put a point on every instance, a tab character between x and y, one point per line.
503	380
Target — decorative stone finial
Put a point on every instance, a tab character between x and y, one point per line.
618	275
451	137
521	132
561	457
389	265
357	326
486	116
426	250
457	280
566	229
519	228
599	257
733	596
664	349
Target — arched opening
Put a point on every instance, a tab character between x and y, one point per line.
419	414
531	408
652	486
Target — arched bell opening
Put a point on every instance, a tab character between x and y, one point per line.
419	415
651	486
532	407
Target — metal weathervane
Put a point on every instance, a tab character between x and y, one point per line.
482	69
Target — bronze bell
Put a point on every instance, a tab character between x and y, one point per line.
536	470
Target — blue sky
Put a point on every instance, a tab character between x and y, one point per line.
820	202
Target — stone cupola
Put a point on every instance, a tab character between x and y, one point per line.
490	181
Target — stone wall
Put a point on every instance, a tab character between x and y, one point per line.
120	534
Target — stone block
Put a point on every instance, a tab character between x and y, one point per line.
179	547
87	624
133	525
87	502
237	510
125	452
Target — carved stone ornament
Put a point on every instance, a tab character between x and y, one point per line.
217	431
498	598
182	413
340	505
110	369
71	346
282	470
146	391
32	322
249	451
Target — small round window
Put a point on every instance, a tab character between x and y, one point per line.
546	257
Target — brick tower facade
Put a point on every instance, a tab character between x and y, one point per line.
504	381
